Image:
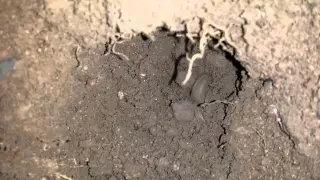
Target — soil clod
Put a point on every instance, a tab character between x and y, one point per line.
200	88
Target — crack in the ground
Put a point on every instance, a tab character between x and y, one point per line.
286	132
230	166
89	169
87	162
241	71
242	75
282	125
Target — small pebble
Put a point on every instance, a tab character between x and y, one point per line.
176	166
200	88
6	66
163	162
44	178
120	95
112	178
183	110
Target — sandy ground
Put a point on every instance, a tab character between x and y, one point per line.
62	115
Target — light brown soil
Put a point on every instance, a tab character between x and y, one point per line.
61	115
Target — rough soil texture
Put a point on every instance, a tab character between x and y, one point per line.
69	111
275	39
129	122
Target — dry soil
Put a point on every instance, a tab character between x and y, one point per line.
69	111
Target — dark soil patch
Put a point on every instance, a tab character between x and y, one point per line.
129	119
134	120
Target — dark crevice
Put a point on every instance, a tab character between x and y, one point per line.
222	142
175	72
163	28
284	129
241	72
144	37
229	171
89	169
177	58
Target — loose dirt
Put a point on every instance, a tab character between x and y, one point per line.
68	111
130	119
133	120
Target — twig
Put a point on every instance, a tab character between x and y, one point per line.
119	54
77	56
191	61
63	176
111	49
263	141
215	102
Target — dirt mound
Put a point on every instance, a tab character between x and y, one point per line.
130	120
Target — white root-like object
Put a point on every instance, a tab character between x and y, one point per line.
210	31
119	54
58	175
191	61
202	46
111	47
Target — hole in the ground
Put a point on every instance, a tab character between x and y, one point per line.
133	106
144	37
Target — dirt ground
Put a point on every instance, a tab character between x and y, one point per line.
71	110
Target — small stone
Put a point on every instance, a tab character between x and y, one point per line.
200	88
6	66
143	75
183	110
120	95
176	166
112	178
156	131
163	162
272	111
92	82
